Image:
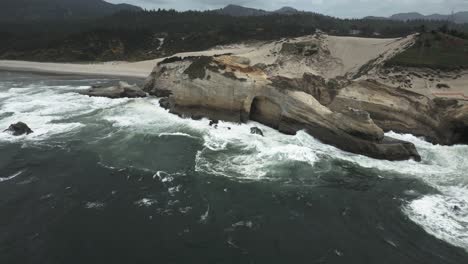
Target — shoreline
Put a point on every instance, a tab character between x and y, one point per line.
140	69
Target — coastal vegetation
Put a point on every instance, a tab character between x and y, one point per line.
158	33
445	50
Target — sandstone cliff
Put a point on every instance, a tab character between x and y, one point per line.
315	83
440	121
228	88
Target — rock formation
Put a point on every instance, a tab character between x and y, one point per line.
256	131
393	109
123	90
334	88
19	129
228	88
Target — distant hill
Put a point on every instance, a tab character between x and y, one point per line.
459	17
376	18
407	16
287	11
235	10
240	11
21	10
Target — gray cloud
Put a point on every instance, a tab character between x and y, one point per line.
340	8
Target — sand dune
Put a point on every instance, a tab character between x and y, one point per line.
338	56
346	54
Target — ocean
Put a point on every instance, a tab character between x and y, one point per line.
124	181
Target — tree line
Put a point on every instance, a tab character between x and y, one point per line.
155	33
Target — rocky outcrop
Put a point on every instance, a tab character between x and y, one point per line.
394	109
19	129
322	90
228	88
256	131
455	124
300	48
123	90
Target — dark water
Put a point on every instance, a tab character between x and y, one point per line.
123	181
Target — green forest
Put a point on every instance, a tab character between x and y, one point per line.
157	33
442	49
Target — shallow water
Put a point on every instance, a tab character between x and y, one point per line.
124	181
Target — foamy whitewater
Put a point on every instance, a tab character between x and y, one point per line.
58	114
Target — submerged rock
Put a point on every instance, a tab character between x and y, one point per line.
256	131
123	90
239	92
19	129
214	123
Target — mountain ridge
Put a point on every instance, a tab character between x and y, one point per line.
459	17
240	11
27	10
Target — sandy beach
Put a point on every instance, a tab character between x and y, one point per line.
137	69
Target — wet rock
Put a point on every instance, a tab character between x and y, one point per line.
165	103
19	129
256	131
161	93
123	90
214	123
406	149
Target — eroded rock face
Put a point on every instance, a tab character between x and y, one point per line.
439	121
322	90
455	124
19	129
123	90
225	88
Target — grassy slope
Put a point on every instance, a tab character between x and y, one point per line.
434	50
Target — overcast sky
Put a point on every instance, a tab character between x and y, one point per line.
340	8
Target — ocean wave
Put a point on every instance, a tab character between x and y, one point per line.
11	176
46	109
232	151
445	215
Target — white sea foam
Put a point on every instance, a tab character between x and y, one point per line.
231	151
254	156
95	205
44	108
443	215
146	202
11	176
177	134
